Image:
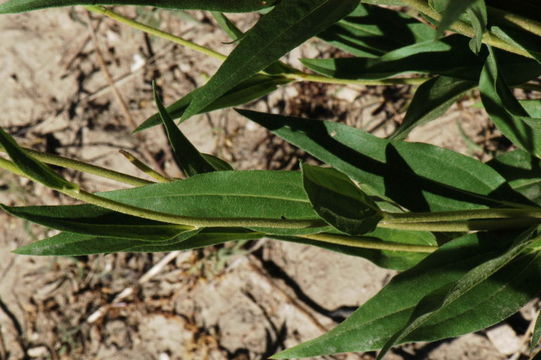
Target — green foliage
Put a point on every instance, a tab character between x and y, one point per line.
401	205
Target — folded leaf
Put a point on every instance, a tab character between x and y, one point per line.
420	177
448	56
288	25
431	100
339	201
249	90
93	220
34	169
371	31
15	6
389	311
521	39
186	155
504	109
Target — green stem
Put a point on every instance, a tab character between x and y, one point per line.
366	243
464	28
188	220
464	225
144	167
445	216
153	31
84	167
330	80
518	21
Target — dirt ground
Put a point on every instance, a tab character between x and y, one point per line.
241	301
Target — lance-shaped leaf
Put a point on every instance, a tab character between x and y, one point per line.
288	25
456	299
504	109
186	155
454	10
249	90
477	16
536	335
431	100
420	177
339	201
522	171
521	39
372	31
93	220
448	56
34	169
15	6
378	319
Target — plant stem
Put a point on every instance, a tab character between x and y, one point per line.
367	243
445	216
521	22
156	32
330	80
464	28
84	167
144	167
188	220
296	75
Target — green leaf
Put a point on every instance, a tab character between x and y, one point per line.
186	155
15	6
420	177
227	26
93	220
435	308
288	25
431	100
339	201
452	10
225	194
371	31
34	169
536	336
448	56
72	244
374	322
521	39
504	109
249	90
477	14
522	171
217	163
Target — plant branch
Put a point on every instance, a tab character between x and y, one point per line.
444	216
78	166
516	20
296	75
464	28
144	167
367	243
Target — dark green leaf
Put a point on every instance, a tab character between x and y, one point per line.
186	155
522	171
462	297
431	100
420	177
217	163
249	90
93	220
448	56
339	201
15	6
371	31
288	25
387	312
504	109
34	169
452	10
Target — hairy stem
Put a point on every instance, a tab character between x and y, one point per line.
464	28
516	20
444	216
367	243
83	167
144	167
